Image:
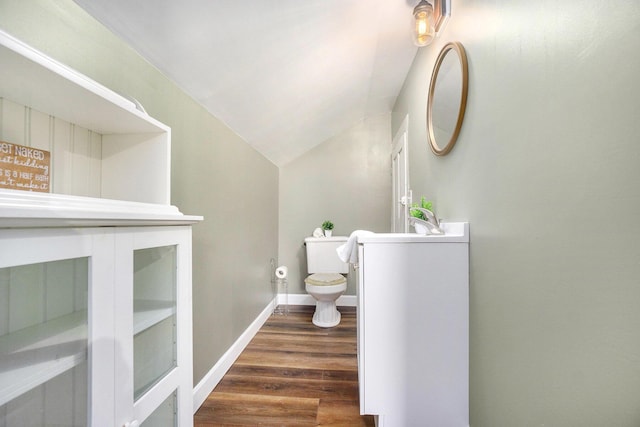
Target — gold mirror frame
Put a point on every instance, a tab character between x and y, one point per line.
462	56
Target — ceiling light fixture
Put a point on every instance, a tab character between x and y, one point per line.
429	21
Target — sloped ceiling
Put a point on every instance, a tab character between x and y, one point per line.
285	75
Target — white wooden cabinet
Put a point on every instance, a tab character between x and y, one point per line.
413	328
95	277
96	326
101	145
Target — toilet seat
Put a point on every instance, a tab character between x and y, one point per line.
326	288
325	279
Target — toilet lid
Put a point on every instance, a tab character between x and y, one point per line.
325	279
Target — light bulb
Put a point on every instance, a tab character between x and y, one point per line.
423	30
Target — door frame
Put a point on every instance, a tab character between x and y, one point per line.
400	144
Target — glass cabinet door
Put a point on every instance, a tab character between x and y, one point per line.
153	321
154	305
95	327
164	415
43	343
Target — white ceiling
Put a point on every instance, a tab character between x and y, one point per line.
285	75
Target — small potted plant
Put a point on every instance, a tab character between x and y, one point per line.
416	213
423	204
327	227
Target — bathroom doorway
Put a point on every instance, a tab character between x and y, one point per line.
401	194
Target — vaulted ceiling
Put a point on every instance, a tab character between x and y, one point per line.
285	75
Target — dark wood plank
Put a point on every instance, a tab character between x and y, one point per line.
337	412
292	387
297	360
254	409
306	344
291	374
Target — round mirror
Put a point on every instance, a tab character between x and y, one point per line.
447	98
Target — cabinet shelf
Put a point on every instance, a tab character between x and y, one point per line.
34	355
30	78
24	209
147	313
128	158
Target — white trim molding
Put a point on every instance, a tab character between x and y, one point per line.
206	385
306	299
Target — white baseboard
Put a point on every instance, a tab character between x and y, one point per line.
306	299
206	385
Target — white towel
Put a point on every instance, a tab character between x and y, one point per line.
318	232
349	251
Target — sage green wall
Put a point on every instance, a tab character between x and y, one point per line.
546	170
214	172
346	179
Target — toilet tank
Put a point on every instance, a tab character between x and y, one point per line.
322	256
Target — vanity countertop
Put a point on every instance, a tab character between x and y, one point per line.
454	232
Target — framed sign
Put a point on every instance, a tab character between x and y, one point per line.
24	168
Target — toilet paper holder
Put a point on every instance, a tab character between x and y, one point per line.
282	271
281	282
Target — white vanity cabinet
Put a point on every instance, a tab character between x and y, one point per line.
413	328
95	276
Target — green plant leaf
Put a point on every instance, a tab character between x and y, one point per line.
416	213
424	204
327	225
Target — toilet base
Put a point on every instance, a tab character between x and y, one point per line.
326	314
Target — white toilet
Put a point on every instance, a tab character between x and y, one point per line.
326	281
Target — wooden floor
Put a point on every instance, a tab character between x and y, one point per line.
291	374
